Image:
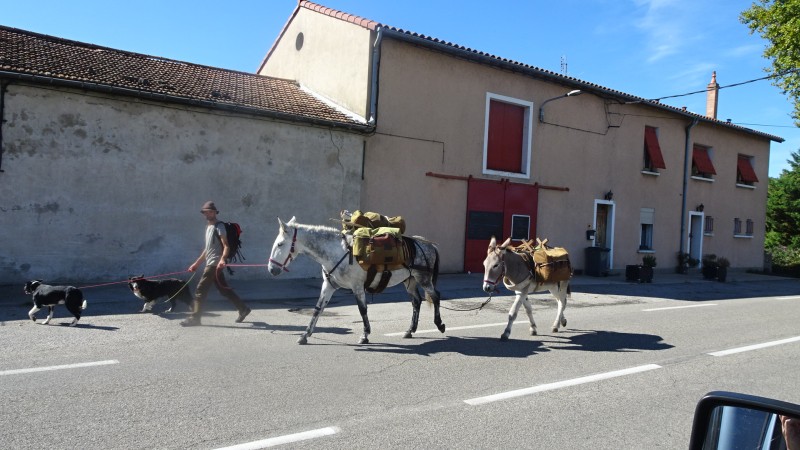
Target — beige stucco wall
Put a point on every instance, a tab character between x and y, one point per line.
334	60
95	188
431	117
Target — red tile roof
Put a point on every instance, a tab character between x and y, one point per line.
38	57
487	58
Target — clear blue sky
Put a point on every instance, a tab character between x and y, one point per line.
648	48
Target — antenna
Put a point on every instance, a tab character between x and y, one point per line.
563	65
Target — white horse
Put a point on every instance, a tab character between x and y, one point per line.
332	250
508	266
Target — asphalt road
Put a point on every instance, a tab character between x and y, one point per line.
625	374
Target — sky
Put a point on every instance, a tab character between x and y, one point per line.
648	48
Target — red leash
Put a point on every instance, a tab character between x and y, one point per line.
126	281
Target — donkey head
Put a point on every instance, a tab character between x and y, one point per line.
493	266
283	249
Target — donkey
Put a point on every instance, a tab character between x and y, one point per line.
502	263
331	248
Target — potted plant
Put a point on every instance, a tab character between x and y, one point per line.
643	273
683	263
710	265
722	269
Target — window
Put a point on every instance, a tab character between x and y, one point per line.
701	162
744	171
507	139
708	228
646	216
749	227
520	228
653	159
737	226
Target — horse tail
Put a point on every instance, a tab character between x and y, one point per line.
434	276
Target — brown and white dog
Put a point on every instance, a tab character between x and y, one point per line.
151	290
50	296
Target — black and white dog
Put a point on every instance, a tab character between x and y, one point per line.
50	296
151	290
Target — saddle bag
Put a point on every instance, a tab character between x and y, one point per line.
383	247
368	219
551	264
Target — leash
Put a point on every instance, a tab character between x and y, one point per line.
126	281
182	288
470	309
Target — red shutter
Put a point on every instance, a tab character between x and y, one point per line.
746	172
653	149
702	161
504	148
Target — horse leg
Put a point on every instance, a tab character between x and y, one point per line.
529	310
325	295
361	299
512	313
435	297
561	297
416	301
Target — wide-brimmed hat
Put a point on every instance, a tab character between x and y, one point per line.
209	206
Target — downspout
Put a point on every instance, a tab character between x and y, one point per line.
687	161
3	88
373	91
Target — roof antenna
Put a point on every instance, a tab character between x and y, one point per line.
564	65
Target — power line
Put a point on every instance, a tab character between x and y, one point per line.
775	75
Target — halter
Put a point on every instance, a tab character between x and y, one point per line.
285	265
502	272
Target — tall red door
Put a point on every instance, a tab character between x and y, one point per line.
497	208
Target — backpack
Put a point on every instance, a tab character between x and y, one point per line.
233	232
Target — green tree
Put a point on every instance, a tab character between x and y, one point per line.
778	21
783	207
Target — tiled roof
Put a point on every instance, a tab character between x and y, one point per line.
487	58
33	56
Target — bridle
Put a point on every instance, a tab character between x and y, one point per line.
494	283
285	265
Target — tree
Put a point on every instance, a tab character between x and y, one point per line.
783	207
778	21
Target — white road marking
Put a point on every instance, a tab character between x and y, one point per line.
794	297
680	307
65	366
755	347
287	439
559	384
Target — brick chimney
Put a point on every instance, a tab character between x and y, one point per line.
712	96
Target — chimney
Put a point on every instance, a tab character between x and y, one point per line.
712	96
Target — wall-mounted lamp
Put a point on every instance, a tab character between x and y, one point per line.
700	207
568	94
609	195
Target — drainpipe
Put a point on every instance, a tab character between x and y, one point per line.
373	92
3	88
687	165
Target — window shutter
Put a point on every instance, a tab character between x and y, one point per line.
702	161
653	148
746	171
504	149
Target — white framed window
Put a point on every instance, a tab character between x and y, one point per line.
507	136
646	219
520	227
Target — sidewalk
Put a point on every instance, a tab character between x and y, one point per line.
451	286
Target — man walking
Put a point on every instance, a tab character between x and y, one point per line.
215	253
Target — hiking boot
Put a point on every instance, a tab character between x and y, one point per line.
242	314
191	322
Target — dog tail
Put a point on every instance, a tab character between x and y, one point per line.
84	304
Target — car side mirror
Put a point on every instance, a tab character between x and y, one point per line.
729	420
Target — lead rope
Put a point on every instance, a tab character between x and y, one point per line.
470	309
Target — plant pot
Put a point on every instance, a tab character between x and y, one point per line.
709	272
639	273
722	274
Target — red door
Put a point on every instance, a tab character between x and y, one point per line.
500	209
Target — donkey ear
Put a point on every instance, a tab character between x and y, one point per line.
292	221
506	243
281	225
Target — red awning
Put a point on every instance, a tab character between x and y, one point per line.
746	172
653	149
702	161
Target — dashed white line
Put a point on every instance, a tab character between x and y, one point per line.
680	307
559	385
287	439
65	366
755	347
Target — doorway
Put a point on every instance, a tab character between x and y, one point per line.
604	228
695	242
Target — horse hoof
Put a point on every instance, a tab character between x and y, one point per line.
533	333
563	322
504	337
555	329
440	327
363	340
408	335
302	341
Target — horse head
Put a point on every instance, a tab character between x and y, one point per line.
494	267
284	247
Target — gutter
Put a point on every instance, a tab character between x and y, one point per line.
687	164
3	89
147	95
373	91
